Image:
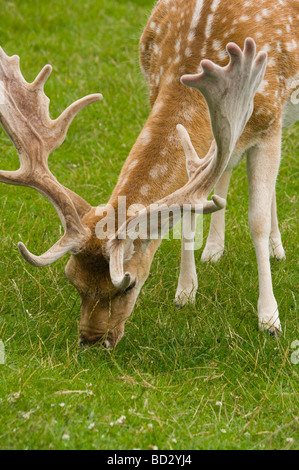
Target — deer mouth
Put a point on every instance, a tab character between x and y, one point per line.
102	340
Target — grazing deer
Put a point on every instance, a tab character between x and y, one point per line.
215	113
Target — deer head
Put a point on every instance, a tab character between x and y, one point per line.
109	272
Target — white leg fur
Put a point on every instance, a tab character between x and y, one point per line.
276	248
263	164
188	284
215	243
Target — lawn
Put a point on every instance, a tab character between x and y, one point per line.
203	377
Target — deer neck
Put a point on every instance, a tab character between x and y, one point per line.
156	165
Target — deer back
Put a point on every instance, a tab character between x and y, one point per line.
181	33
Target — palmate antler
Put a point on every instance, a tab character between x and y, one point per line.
24	115
229	92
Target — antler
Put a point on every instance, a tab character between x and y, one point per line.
24	115
229	92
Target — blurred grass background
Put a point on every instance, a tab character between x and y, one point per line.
200	378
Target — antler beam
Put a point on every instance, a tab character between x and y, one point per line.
24	115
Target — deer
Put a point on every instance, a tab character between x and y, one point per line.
221	77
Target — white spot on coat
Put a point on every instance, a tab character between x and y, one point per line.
197	14
266	48
133	164
177	45
222	55
263	86
271	62
215	5
157	107
265	13
169	79
156	49
291	46
124	182
195	19
145	190
191	36
158	170
145	136
209	26
216	45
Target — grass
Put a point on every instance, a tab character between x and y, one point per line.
199	378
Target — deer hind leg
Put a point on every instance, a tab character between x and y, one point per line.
276	248
188	284
215	243
263	164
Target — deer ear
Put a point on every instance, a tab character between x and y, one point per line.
119	251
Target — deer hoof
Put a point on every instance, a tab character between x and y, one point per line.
272	328
274	333
212	253
277	251
185	297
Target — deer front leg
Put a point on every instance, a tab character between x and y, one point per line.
188	284
215	243
276	248
263	164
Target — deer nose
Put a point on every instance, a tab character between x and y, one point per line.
101	340
106	343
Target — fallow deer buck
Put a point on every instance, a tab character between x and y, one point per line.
193	100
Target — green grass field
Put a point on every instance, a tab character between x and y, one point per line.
200	378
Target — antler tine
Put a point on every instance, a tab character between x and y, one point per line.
193	162
25	117
63	122
42	77
11	177
65	245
